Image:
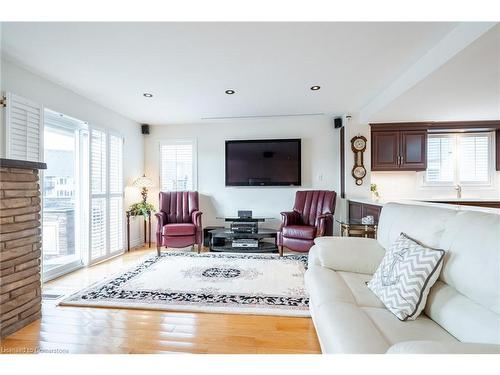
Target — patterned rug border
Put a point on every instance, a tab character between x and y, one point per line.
153	300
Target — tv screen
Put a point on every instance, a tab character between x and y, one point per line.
267	162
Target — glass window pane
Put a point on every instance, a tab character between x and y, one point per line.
59	198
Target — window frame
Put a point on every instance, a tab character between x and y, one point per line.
179	141
456	178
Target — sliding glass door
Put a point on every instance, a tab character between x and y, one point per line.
64	194
82	195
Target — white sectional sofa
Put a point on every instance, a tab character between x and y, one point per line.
462	314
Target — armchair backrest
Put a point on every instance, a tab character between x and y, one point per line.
179	205
312	203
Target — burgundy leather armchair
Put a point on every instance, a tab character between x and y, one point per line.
178	220
312	217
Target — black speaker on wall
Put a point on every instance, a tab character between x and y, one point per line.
337	122
145	129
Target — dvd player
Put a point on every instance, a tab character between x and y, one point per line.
245	242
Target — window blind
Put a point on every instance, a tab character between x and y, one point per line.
474	158
98	228
98	162
115	164
115	193
440	159
24	130
463	158
106	154
115	224
98	198
177	169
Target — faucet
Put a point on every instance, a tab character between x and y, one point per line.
458	188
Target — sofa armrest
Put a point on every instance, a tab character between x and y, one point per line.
290	218
350	254
196	218
323	221
437	347
161	220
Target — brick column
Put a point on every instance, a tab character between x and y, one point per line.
20	245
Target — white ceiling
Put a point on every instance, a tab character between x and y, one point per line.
466	88
188	66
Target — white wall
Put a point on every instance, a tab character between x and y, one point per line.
20	81
408	185
320	162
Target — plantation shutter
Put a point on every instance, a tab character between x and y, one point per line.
440	160
98	201
24	129
474	158
98	162
115	193
177	165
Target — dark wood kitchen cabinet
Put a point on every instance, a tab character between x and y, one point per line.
399	150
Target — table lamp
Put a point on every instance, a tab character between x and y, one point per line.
144	183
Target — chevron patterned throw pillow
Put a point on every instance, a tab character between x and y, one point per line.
405	276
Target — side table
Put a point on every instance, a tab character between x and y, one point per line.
355	228
128	213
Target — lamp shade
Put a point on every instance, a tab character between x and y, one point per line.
143	182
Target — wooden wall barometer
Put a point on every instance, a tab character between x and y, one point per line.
358	146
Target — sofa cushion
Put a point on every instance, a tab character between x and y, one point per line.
325	285
396	331
465	319
299	231
405	276
472	262
356	282
345	328
351	254
396	218
179	229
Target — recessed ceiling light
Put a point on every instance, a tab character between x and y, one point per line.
315	88
147	95
230	92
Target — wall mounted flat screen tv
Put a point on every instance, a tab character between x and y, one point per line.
266	162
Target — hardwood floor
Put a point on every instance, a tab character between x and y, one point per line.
104	330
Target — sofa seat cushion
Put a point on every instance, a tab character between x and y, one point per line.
356	283
325	285
395	331
299	231
179	229
345	328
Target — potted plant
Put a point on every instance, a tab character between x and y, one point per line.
141	208
375	193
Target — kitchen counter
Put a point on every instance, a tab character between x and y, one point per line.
459	200
452	203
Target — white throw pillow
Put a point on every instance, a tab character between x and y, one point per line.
405	276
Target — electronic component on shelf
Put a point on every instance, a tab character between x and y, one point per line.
245	242
244	227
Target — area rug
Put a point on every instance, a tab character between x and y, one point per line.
211	282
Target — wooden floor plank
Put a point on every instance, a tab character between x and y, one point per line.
105	330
